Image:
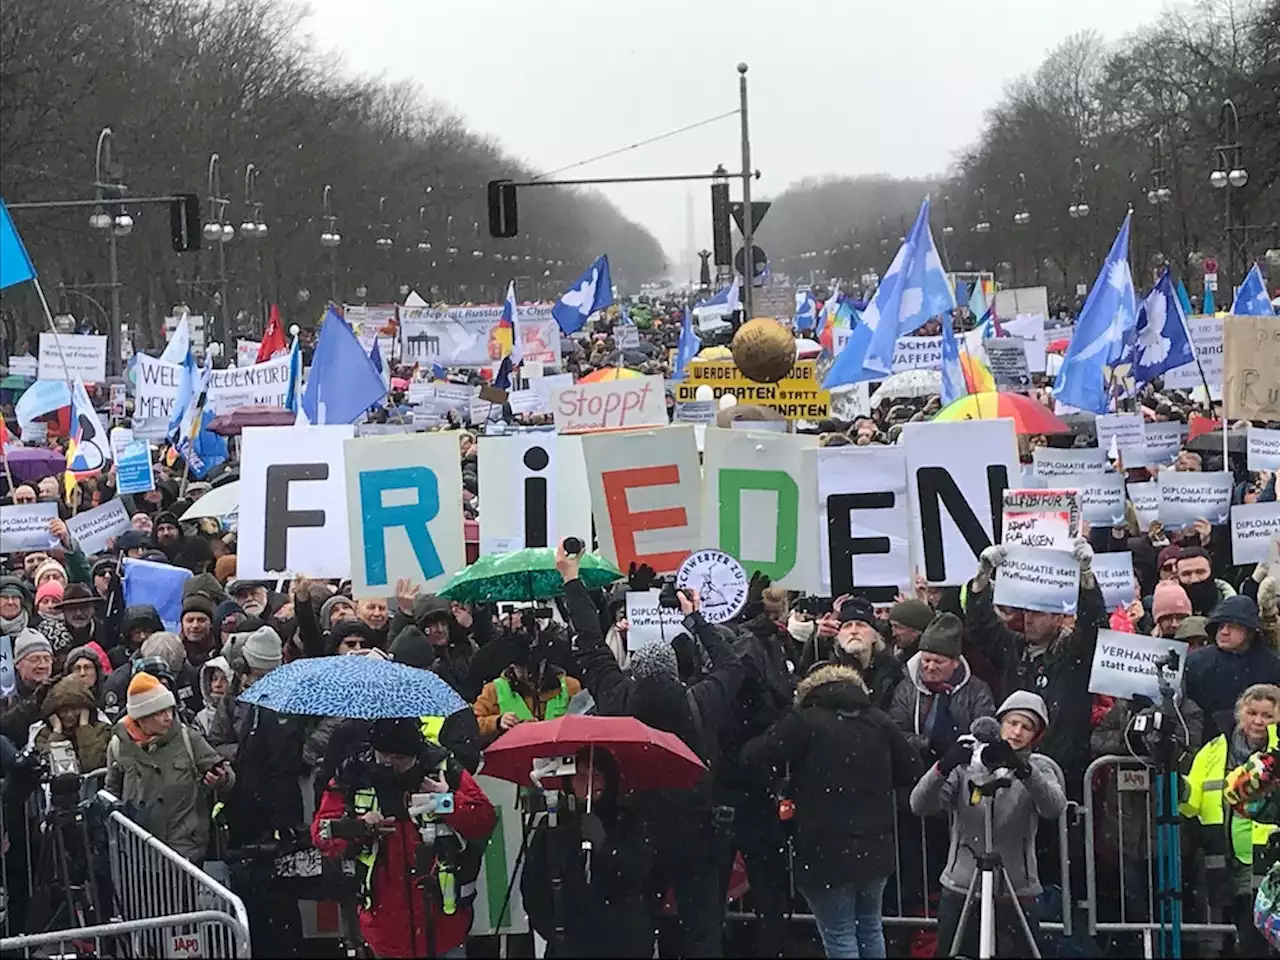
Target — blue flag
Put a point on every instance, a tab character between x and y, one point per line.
502	379
1184	299
806	311
343	383
688	346
1251	298
591	292
157	584
1208	308
295	377
438	371
626	316
15	265
1162	343
1100	332
206	451
953	383
962	291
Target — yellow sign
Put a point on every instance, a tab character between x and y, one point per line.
795	396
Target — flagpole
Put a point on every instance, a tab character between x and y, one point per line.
71	389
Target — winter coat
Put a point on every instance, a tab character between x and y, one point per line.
266	748
915	707
488	711
394	925
164	781
204	719
881	675
845	758
450	662
21	711
186	687
1015	820
1214	677
1060	674
89	739
766	695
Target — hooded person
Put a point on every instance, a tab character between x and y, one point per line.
215	681
91	665
1216	674
530	689
71	714
182	677
1036	790
136	624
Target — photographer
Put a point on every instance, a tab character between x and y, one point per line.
365	815
528	690
1035	790
33	669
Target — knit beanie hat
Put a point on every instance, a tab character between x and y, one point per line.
29	641
944	636
13	587
263	649
197	603
1194	630
147	696
326	608
1024	701
400	735
207	584
858	609
911	613
1173	552
657	660
50	588
50	568
1169	598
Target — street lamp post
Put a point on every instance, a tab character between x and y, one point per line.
1229	172
384	242
330	238
1079	209
1159	194
1022	218
117	224
947	230
219	231
254	228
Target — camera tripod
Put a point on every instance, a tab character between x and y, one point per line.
65	865
991	871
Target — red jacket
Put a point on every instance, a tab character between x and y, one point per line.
394	926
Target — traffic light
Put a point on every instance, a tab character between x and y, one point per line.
503	222
184	222
721	241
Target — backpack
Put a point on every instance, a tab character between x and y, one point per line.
1266	907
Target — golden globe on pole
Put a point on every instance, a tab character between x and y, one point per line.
764	350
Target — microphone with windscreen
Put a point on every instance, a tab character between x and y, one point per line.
982	731
573	546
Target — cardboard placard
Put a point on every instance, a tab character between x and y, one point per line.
610	405
547	496
1007	358
1124	665
1129	431
1251	388
1041	518
68	356
649	623
1114	573
1055	462
134	471
1254	527
25	526
863	526
1101	496
1264	449
95	529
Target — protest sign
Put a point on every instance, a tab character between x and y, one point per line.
696	411
547	385
247	352
1007	359
420	391
66	356
1021	301
8	677
1163	444
524	402
1101	496
265	384
1188	497
1114	573
1251	386
1055	462
796	396
25	366
1124	665
1036	578
483	411
645	496
863	530
917	353
546	495
474	336
155	392
134	472
757	497
1253	528
372	324
610	405
156	584
1264	449
1207	337
25	526
455	396
1030	327
958	470
119	397
1145	498
1041	518
648	622
293	504
95	529
1129	432
626	336
404	506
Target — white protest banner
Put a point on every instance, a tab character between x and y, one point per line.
646	494
548	385
1124	665
1208	336
1035	578
525	401
648	622
1030	327
247	352
1129	432
917	353
25	366
265	384
532	369
1114	573
65	356
1163	443
1264	449
420	390
1007	358
25	526
155	392
545	493
293	503
1055	462
758	503
1101	496
1145	497
94	529
626	336
696	411
610	405
1021	301
863	530
455	396
404	505
373	324
1188	497
1253	528
134	472
956	474
474	337
1041	518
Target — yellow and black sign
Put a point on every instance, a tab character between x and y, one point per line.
796	396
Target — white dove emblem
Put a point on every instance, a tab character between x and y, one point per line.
582	298
1152	342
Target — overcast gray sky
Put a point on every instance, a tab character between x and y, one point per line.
840	87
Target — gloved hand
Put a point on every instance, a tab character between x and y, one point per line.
755	590
641	578
1000	754
1083	553
991	558
957	756
1268	595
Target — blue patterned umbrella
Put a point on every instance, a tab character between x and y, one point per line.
365	688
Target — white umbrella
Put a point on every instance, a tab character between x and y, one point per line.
908	384
807	348
219	502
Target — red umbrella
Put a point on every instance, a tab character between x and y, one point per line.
1058	346
648	759
255	415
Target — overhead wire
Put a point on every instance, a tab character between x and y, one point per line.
638	144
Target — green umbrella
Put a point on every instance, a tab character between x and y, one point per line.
528	574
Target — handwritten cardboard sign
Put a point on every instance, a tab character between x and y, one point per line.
1041	518
1252	350
610	405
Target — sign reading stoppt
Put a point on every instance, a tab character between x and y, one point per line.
610	405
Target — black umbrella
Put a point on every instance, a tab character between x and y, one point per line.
1237	442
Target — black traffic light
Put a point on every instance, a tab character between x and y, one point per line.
503	222
184	222
721	241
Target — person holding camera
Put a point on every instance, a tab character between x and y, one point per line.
1035	790
381	809
530	689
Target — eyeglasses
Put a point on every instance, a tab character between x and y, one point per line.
1170	566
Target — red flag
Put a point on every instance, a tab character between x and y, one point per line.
273	342
1198	426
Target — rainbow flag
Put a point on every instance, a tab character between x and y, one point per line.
88	449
